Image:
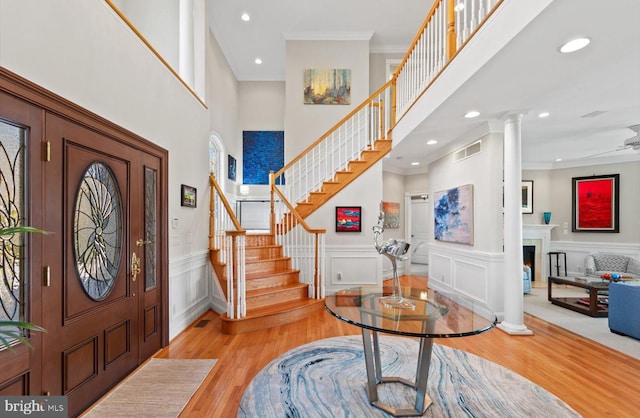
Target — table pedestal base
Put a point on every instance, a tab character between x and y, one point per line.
374	376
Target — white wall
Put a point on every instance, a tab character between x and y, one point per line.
224	106
474	270
416	183
158	21
353	254
82	51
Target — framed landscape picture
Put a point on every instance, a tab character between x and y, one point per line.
595	204
348	218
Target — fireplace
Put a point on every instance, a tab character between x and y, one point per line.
529	259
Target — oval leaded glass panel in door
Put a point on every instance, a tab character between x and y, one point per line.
97	231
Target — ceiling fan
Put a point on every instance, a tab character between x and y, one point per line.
629	143
634	141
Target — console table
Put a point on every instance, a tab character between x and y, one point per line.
436	315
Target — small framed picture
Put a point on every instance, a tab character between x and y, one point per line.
348	218
527	196
188	196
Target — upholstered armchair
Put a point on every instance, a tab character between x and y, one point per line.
526	279
598	264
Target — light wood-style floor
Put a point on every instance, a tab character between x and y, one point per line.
595	380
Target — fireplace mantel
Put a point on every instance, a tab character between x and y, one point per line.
542	233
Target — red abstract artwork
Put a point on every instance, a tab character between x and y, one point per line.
595	203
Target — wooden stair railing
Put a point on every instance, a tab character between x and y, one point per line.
305	246
227	244
343	153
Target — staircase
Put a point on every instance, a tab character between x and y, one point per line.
276	278
274	294
344	177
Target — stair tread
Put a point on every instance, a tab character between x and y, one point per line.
281	307
262	274
274	289
266	260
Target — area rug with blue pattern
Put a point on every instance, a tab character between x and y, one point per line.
327	378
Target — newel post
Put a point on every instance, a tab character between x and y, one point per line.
451	29
272	218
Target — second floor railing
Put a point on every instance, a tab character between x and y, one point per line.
446	29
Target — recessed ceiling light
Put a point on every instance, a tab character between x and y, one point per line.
558	160
472	114
432	142
574	45
258	61
415	163
245	16
543	115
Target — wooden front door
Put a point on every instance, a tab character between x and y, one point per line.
98	282
102	307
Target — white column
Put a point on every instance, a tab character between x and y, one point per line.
186	42
513	322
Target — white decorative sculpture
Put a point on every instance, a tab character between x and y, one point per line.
394	250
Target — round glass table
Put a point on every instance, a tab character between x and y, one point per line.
435	315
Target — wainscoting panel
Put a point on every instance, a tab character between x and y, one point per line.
471	279
577	251
475	274
355	265
440	269
189	290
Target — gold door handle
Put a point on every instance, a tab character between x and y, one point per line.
135	266
141	242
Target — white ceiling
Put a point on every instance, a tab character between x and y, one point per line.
528	75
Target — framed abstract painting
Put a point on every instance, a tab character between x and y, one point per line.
595	205
453	215
348	218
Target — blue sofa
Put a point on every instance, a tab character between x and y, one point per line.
624	308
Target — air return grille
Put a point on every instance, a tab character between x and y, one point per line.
467	151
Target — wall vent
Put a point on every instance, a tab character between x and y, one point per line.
467	151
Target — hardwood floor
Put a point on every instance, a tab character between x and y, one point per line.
595	380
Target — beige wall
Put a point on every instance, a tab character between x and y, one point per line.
262	105
378	71
306	123
393	191
553	193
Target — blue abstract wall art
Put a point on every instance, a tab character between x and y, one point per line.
262	151
453	215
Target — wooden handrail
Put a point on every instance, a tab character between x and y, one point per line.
333	129
227	206
297	216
